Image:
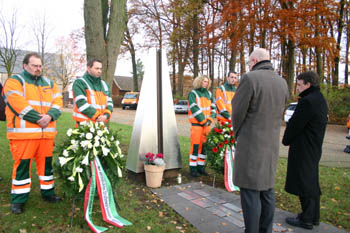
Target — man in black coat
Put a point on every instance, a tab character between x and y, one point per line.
304	134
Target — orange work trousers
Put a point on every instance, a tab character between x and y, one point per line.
23	152
198	138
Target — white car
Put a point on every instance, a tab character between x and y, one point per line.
181	106
289	111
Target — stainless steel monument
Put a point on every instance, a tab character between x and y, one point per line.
145	134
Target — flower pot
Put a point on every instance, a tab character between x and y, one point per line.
154	175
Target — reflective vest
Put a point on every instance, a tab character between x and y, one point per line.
27	97
91	101
201	106
223	98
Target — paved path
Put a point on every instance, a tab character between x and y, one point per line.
333	146
213	210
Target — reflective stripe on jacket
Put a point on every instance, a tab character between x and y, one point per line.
92	98
201	106
27	97
223	97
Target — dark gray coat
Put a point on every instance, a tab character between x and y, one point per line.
304	134
257	111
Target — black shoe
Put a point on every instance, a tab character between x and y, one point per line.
0	178
52	199
194	174
299	223
17	208
314	222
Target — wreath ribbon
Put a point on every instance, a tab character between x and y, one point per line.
229	158
105	194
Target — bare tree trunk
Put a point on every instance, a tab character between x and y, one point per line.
232	62
347	47
340	32
195	44
103	40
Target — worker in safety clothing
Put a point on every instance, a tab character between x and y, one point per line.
201	114
33	105
92	95
223	97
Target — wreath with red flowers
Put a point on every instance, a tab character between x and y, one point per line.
218	139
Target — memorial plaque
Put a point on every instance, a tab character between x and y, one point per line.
195	196
235	221
186	196
216	211
216	200
202	203
232	207
201	192
227	212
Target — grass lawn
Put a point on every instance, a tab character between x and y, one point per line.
138	205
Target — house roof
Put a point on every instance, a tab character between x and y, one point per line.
124	83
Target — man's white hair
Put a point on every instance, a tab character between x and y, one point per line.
260	54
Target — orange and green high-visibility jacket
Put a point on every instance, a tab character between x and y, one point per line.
201	106
223	97
92	98
27	97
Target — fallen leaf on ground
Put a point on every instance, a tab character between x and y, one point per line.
160	214
22	231
149	228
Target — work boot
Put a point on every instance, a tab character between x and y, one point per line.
17	208
193	171
52	198
201	171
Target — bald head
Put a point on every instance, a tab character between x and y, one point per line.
258	55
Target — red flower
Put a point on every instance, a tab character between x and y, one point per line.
215	149
216	130
221	145
232	141
220	131
225	142
231	133
159	155
222	123
229	125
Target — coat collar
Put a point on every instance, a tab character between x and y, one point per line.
263	65
309	91
93	79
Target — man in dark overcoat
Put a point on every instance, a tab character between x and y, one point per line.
257	110
304	135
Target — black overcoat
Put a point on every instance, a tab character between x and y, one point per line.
304	134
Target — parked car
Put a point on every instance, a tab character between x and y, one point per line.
130	100
181	106
289	111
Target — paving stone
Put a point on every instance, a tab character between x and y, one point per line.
201	192
216	200
186	196
202	202
232	207
235	221
208	216
217	212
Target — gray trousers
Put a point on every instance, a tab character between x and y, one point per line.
258	210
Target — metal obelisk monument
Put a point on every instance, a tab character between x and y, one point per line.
145	131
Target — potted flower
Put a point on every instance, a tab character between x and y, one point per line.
154	168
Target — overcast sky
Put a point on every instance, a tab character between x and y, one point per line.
63	17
